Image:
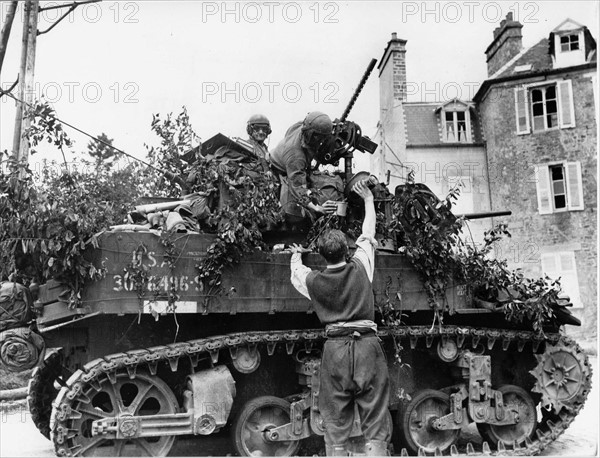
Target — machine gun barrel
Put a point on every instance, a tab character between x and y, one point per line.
486	214
358	89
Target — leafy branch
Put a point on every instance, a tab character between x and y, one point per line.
49	224
430	237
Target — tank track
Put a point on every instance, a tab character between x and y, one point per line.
41	391
547	431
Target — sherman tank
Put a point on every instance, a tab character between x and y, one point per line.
129	369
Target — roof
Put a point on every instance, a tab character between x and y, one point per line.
568	24
422	126
537	60
537	56
423	123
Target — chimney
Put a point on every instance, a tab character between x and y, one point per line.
392	70
505	45
392	95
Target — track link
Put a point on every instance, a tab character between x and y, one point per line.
41	391
210	347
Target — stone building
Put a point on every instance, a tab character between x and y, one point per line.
538	111
440	141
526	142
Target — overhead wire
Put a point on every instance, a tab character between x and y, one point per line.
93	137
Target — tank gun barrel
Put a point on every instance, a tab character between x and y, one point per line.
486	214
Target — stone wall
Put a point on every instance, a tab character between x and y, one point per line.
513	186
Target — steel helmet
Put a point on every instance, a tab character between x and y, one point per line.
317	122
258	119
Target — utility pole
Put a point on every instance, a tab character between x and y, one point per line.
10	15
26	72
32	9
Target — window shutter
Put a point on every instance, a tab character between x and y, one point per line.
521	110
569	281
574	186
570	286
562	264
542	183
549	265
565	98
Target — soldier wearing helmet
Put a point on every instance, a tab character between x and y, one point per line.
258	129
291	160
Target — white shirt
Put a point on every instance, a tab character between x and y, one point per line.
365	254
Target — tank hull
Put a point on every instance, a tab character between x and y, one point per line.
259	284
164	336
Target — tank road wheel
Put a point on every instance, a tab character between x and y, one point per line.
143	395
417	418
518	400
254	421
561	376
41	390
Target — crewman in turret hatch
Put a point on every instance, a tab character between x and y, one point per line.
259	128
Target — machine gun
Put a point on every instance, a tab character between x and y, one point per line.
347	135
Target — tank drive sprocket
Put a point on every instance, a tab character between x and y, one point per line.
562	376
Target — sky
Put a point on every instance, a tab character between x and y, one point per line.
109	67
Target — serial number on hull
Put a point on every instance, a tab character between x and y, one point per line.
159	283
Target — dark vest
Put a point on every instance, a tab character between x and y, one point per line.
342	294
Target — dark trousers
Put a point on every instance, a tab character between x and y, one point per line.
354	371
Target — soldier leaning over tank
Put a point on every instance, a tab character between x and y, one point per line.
290	161
353	367
258	129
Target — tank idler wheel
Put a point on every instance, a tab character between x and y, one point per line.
144	395
518	400
416	422
254	421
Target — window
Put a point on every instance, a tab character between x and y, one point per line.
457	126
562	264
522	68
559	187
544	110
548	106
569	46
569	43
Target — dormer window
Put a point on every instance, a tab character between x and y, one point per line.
456	122
569	43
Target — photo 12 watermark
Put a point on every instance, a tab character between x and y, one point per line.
91	13
269	91
14	411
469	12
270	12
441	91
82	91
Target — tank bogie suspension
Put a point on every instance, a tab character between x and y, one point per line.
143	399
